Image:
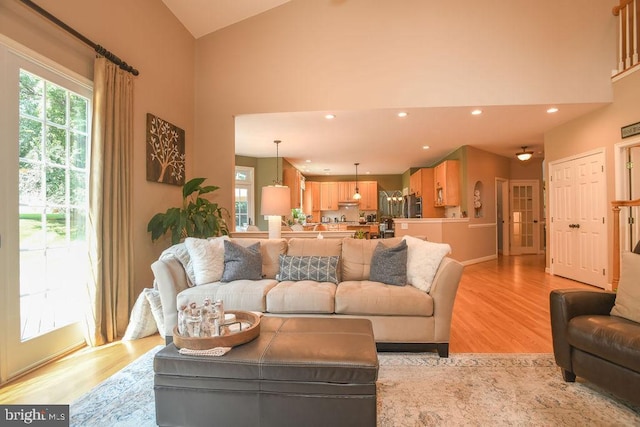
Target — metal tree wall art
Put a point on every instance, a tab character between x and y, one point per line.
165	151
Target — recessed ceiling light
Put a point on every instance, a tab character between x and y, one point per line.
403	114
308	161
476	112
330	116
425	147
552	110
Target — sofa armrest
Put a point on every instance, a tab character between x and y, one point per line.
565	304
170	279
443	291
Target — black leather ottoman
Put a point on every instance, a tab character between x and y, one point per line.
299	372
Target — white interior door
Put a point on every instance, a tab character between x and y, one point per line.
578	229
525	212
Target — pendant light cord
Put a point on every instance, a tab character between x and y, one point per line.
277	180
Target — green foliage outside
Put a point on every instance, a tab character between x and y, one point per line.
51	115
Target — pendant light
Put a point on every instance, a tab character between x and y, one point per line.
276	202
524	155
357	195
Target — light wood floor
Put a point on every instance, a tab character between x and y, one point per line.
502	306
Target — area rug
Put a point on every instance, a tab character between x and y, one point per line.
414	389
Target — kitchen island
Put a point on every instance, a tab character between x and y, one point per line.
471	242
371	229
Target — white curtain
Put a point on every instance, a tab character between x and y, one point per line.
110	193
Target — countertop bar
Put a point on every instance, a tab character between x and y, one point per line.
292	234
430	220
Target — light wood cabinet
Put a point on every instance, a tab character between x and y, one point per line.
292	178
447	183
369	192
346	190
421	183
415	182
311	203
329	196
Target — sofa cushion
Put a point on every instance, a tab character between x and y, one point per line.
609	337
207	258
249	295
317	268
241	263
180	252
305	296
318	247
628	294
270	249
423	260
374	298
389	265
356	256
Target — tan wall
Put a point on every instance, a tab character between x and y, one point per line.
484	167
600	129
345	55
146	35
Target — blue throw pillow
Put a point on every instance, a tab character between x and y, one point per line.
389	265
317	268
241	263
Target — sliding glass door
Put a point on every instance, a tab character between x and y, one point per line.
45	160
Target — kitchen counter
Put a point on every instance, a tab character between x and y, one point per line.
292	234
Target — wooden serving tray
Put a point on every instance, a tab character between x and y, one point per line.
231	340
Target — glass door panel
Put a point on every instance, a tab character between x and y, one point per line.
45	212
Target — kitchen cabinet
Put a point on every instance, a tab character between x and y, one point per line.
346	190
421	183
369	192
447	183
311	203
415	182
329	196
292	178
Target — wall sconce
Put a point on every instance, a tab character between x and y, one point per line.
276	202
524	155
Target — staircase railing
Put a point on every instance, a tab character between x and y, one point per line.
627	13
624	230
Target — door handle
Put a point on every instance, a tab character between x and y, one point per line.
535	221
574	225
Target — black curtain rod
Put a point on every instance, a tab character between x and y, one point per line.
99	49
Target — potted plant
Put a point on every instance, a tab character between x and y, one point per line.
198	216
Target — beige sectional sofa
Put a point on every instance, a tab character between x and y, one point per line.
403	317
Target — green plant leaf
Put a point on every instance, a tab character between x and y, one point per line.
208	189
156	226
191	186
197	217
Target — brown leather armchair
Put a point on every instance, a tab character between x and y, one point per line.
589	343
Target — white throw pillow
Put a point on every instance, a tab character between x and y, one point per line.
628	294
141	322
423	260
155	303
207	257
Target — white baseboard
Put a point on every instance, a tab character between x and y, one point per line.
477	260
